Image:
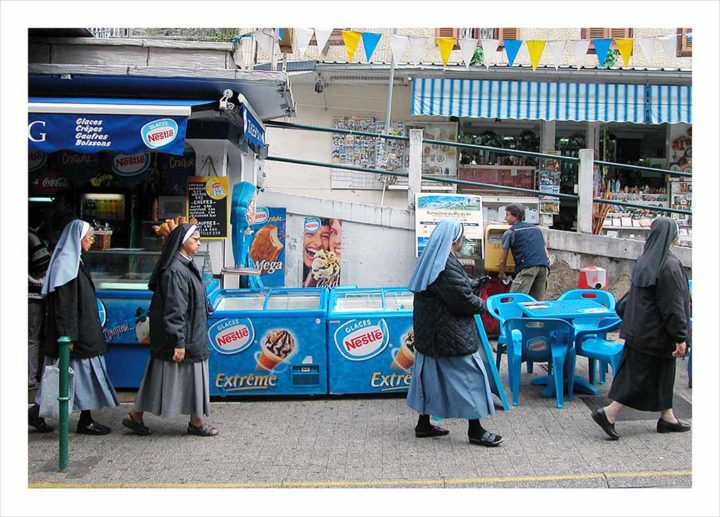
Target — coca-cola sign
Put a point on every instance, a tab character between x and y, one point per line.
49	183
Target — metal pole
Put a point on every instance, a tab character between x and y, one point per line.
388	119
585	192
63	399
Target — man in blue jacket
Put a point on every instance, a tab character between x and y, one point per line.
527	244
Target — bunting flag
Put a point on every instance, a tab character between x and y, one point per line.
579	48
445	45
512	46
398	44
669	45
417	48
467	48
489	47
625	46
646	46
351	39
370	41
321	37
688	35
302	38
264	39
602	45
557	49
535	48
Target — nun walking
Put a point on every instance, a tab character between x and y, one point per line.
449	378
655	314
176	380
72	311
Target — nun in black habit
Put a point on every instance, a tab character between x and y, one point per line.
655	313
176	378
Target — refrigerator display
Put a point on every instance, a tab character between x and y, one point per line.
370	340
107	210
121	278
268	342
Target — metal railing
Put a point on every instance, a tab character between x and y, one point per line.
490	186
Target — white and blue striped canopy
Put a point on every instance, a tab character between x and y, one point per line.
547	101
670	104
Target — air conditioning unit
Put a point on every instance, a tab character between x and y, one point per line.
287	43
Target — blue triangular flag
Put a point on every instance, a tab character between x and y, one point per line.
279	34
512	47
370	41
688	35
602	45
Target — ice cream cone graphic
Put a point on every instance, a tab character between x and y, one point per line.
275	347
405	356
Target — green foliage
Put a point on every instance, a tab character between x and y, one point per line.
478	57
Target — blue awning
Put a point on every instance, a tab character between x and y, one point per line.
592	102
91	125
671	104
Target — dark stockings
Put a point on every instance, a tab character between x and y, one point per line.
85	418
423	423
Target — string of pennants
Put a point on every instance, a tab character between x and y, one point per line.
418	44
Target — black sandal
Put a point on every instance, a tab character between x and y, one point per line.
487	439
135	426
202	430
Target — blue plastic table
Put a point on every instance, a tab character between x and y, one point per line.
566	310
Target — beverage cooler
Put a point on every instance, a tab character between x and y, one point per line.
121	278
111	209
370	340
268	342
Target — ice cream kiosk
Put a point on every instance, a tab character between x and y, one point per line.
370	340
268	342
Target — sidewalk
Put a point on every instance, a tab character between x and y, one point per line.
369	442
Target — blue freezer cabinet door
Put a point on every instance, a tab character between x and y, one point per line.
370	355
126	328
267	356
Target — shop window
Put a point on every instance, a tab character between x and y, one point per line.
684	46
499	34
599	33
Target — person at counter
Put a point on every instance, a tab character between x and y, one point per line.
72	311
449	378
176	380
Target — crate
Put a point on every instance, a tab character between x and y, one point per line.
102	240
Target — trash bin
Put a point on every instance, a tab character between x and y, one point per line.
592	277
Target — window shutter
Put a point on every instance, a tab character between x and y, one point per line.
684	47
506	33
448	32
592	33
620	33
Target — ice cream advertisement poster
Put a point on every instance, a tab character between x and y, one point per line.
267	356
322	251
371	355
125	321
432	208
267	250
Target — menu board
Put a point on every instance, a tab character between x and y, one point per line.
207	201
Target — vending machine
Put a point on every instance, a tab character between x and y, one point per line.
268	342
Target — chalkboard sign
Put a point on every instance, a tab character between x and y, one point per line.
207	201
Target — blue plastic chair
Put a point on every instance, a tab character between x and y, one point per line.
541	340
501	307
604	298
594	345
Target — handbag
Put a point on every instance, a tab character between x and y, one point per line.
50	389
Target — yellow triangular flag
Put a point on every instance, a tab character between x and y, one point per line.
625	46
445	45
351	39
535	48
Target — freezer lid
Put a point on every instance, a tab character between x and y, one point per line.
283	301
358	300
399	300
241	301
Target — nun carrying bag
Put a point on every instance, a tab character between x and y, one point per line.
50	390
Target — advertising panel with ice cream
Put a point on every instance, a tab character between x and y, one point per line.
268	342
371	342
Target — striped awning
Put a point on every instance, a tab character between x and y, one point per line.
671	104
592	102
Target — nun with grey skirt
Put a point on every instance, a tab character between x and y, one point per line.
449	378
176	380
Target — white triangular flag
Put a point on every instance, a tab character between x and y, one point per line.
579	49
398	44
303	37
322	36
467	48
557	49
646	45
489	47
264	39
669	43
417	48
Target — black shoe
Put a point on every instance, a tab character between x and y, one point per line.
487	439
135	426
433	430
601	419
663	426
39	424
93	428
